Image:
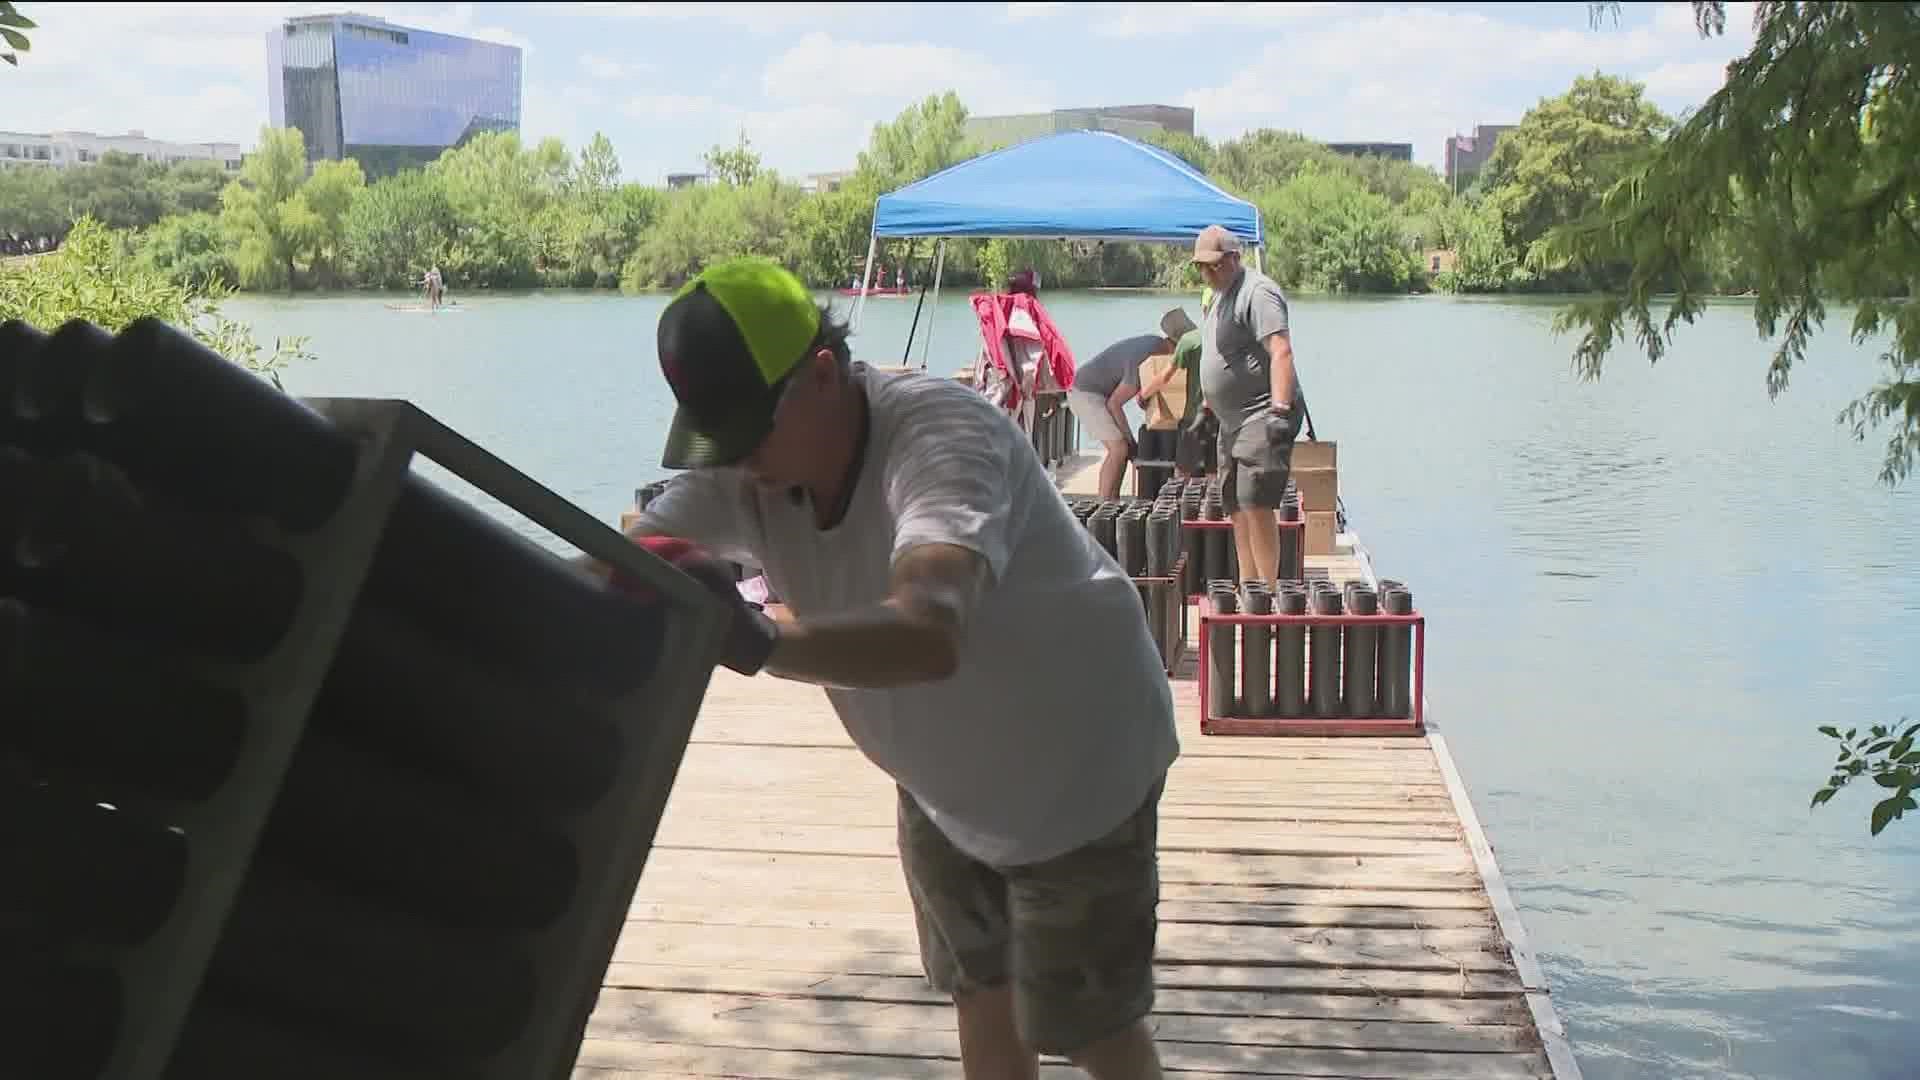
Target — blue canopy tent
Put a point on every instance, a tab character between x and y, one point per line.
1080	185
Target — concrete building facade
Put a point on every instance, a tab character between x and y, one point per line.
66	149
1397	151
1133	121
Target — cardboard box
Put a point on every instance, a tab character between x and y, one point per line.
627	519
1319	488
1164	409
1320	532
1311	454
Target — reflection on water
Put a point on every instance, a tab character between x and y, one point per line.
1644	593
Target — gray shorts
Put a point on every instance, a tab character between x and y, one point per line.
1074	934
1095	420
1256	461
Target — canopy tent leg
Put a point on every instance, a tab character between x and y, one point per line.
939	264
866	279
1257	248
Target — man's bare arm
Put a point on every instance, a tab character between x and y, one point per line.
912	637
1280	368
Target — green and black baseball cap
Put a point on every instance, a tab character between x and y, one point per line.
728	341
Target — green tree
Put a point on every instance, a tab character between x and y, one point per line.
32	202
1805	154
398	227
598	170
189	249
92	277
191	187
1566	153
265	213
1807	151
922	140
498	191
1328	233
121	191
736	165
330	193
1482	259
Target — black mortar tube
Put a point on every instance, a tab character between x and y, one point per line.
1396	656
1290	664
1256	654
1324	647
1219	675
1361	654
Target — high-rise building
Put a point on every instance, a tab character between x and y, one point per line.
385	95
1467	154
1133	121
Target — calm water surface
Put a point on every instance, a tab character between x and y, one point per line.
1644	594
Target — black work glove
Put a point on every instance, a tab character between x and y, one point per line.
750	634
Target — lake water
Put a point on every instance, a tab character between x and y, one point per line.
1644	596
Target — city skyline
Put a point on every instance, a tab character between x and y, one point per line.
666	81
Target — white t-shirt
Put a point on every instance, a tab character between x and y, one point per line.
1059	719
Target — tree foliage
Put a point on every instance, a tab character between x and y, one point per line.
1566	153
92	276
1889	757
12	38
1803	160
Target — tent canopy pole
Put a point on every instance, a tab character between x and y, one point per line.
866	279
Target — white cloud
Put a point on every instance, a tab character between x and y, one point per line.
1020	12
606	67
1148	20
759	18
885	77
1692	80
672	106
1417	74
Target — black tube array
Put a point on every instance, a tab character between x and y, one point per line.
1296	671
307	768
1143	537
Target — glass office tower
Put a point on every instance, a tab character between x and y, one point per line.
385	95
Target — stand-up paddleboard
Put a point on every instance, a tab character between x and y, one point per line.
877	292
442	309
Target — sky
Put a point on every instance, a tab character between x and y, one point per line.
807	82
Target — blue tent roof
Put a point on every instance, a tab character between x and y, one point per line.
1081	184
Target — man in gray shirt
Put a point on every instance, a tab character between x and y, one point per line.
1103	385
1248	381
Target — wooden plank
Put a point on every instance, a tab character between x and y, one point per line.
813	897
833	766
896	914
1175	837
1180	943
867	811
889	991
893	1027
879	952
821	1059
750	869
1245	798
796	977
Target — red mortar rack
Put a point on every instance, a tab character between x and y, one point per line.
1414	723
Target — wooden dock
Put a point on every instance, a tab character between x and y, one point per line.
1330	908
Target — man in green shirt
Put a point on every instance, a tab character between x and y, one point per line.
1190	450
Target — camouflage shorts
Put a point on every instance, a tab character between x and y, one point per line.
1074	934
